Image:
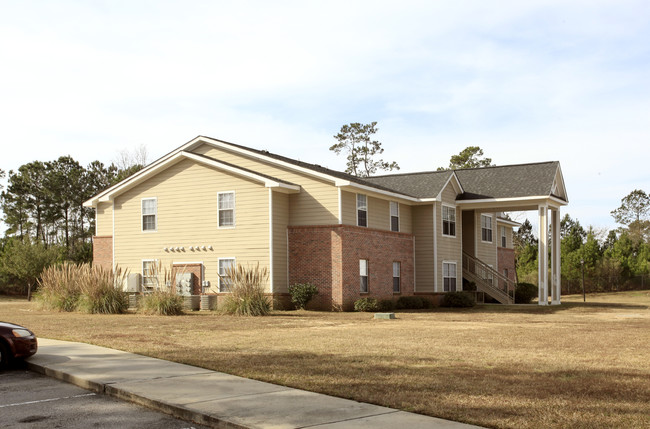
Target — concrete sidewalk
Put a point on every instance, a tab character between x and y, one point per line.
212	398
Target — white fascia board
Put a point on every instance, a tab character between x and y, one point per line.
508	222
457	187
343	183
510	200
99	197
269	183
269	159
559	170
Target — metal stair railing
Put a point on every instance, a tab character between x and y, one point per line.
488	280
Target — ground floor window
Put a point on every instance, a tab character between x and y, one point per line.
449	276
363	275
149	273
396	277
224	273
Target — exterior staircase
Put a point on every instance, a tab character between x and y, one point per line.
488	280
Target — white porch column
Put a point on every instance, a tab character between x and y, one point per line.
556	285
542	255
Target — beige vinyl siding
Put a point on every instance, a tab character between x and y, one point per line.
378	212
449	248
280	261
104	219
486	252
424	262
315	204
187	192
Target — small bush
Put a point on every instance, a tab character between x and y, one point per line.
525	293
301	294
162	302
386	305
458	300
101	290
246	296
59	287
366	304
410	302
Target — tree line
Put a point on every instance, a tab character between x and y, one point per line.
610	260
42	208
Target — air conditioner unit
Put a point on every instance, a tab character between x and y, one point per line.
134	283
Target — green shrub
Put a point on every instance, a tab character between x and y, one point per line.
301	294
386	305
366	304
458	299
410	302
162	302
246	297
525	293
469	286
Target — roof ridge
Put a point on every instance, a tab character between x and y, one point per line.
506	165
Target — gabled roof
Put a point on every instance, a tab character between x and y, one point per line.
538	180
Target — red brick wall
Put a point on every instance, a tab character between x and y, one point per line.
506	260
195	269
328	256
103	251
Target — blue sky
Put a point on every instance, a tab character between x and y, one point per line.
526	81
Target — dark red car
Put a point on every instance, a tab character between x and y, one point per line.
16	342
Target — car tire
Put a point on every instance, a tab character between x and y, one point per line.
5	355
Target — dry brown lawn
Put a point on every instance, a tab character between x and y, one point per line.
577	365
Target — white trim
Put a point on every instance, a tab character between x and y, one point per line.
442	218
340	206
435	249
399	263
155	261
232	258
356	211
142	216
390	218
508	222
502	235
414	280
509	199
270	240
458	188
113	249
344	183
442	266
234	210
491	216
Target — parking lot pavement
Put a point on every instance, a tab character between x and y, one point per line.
29	400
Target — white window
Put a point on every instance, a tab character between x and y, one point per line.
149	214
449	221
394	216
224	278
504	242
149	273
363	275
449	276
362	210
486	228
226	202
396	277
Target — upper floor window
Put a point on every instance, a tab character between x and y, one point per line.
486	228
394	216
225	267
449	221
149	214
397	267
504	242
362	210
363	275
449	276
226	203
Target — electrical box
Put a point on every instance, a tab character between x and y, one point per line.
185	284
134	283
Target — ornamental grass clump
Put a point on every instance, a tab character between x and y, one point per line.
59	287
246	287
101	290
163	300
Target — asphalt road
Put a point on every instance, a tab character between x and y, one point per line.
30	400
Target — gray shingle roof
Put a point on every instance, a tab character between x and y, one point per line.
508	181
419	185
